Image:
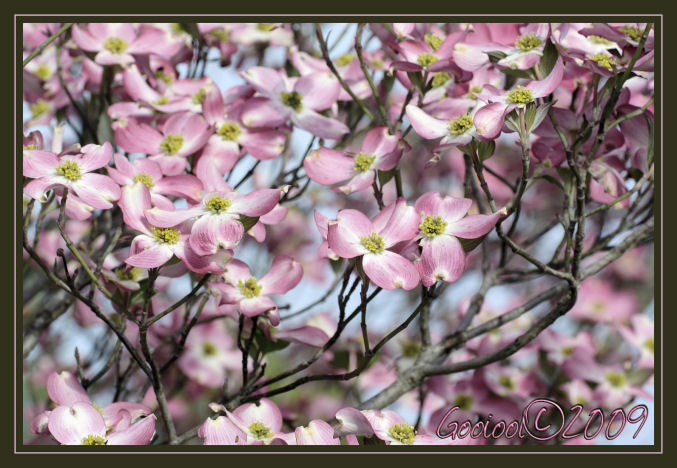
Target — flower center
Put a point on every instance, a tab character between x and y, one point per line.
425	59
69	169
29	147
166	235
345	59
161	101
128	275
260	430
39	107
145	179
474	89
461	124
199	96
567	350
363	162
249	288
229	131
220	34
616	379
115	45
604	60
433	41
600	40
528	42
177	28
208	348
265	27
432	227
403	432
292	100
440	78
373	243
43	72
520	95
171	144
506	382
218	204
164	76
94	440
463	401
633	32
648	344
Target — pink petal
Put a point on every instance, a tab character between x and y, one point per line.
307	334
426	126
64	389
318	432
251	307
256	203
474	226
402	225
344	234
139	433
442	259
548	84
489	119
105	188
284	274
390	270
353	422
260	112
138	138
95	156
70	424
221	431
183	185
85	40
319	90
165	219
112	412
267	81
359	181
136	86
327	166
151	258
379	142
264	411
134	201
236	271
263	144
37	163
213	232
319	125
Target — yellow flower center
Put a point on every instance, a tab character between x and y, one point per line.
461	124
115	45
29	147
249	288
69	169
161	101
528	42
94	440
616	379
604	60
162	75
208	349
463	401
633	32
520	95
199	96
260	430
229	131
431	227
221	34
433	41
474	89
43	72
363	162
128	275
440	78
218	204
649	344
166	235
292	99
145	179
171	144
600	40
373	243
345	59
39	107
265	27
425	59
506	382
403	432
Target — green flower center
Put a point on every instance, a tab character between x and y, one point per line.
230	131
166	235
616	379
474	89
171	144
29	147
411	348
604	60
265	27
43	72
568	350
506	382
162	75
600	40
345	59
128	275
425	59
432	227
363	162
403	432
260	430
199	96
461	124
528	42
161	101
145	179
115	45
221	34
440	78
373	243
208	349
39	107
598	306
377	63
433	41
633	32
177	28
249	288
520	95
293	100
94	440
69	169
218	204
463	401
649	344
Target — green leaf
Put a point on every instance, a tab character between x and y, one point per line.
637	377
636	174
104	130
265	346
548	59
512	121
496	55
517	73
416	79
536	115
248	222
385	176
470	244
485	149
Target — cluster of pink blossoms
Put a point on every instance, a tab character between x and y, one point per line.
169	139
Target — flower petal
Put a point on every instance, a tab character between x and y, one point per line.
390	270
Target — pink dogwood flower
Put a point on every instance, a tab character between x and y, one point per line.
442	223
387	425
116	43
73	172
221	431
352	235
261	422
317	432
252	294
379	152
457	130
489	119
296	99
